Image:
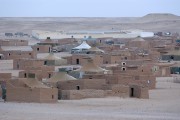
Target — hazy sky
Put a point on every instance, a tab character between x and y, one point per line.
86	8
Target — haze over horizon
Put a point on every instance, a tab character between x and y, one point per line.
88	8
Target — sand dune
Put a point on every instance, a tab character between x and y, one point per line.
150	22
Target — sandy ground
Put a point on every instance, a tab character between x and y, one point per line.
164	104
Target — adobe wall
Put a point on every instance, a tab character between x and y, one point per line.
93	83
93	76
18	54
111	79
118	91
23	64
20	94
48	95
39	74
13	42
41	48
139	92
81	94
66	41
70	84
106	59
147	81
5	76
82	61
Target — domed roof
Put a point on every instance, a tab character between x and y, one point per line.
51	56
60	76
32	83
138	39
95	49
91	67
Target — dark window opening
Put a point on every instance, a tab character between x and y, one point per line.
77	87
137	78
9	54
37	49
106	62
25	75
0	57
100	41
132	92
142	70
29	53
172	57
77	61
124	63
17	66
52	96
49	75
72	36
123	69
45	62
125	58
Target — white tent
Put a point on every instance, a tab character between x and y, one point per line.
82	46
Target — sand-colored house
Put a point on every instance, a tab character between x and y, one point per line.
81	59
30	90
13	42
42	48
13	52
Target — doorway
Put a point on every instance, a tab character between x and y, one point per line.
132	92
77	87
77	61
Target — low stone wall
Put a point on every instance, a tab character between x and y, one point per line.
81	94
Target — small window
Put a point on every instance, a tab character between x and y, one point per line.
123	69
37	49
9	54
77	61
125	58
25	75
172	57
142	70
45	62
136	77
77	87
123	63
17	66
49	75
29	53
52	96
